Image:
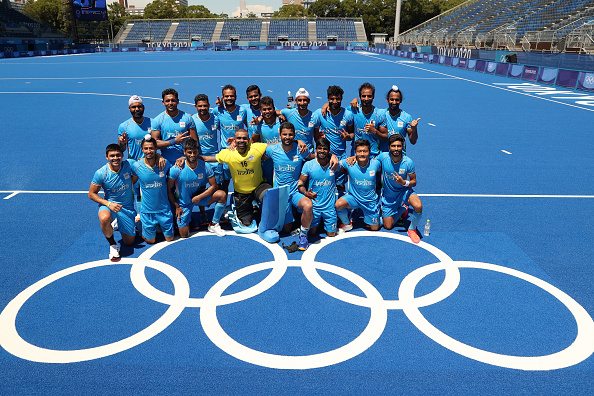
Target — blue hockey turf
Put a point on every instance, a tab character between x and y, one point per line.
497	300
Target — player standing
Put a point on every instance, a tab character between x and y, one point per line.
369	122
267	131
132	131
399	121
172	127
336	126
306	125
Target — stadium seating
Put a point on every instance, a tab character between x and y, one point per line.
333	27
294	29
485	21
187	29
156	30
246	29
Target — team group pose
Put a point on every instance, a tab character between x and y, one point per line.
176	161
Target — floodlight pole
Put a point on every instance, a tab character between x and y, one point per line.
397	22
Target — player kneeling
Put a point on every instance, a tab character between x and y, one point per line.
397	191
116	179
321	179
191	182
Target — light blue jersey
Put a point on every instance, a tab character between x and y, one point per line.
228	123
376	116
398	124
322	181
170	128
331	125
268	133
190	181
250	115
153	185
208	134
405	167
287	165
117	186
362	180
304	126
135	133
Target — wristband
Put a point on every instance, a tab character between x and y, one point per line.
108	202
171	141
407	183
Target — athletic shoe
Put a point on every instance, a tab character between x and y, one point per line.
345	228
296	231
114	253
203	218
413	236
114	224
216	229
303	243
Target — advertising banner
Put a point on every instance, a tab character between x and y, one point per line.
567	78
586	81
530	73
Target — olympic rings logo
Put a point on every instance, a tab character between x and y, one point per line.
581	348
589	79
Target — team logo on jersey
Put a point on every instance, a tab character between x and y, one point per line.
161	174
371	173
126	175
331	173
401	171
239	118
363	182
342	123
153	185
213	127
182	124
400	124
288	168
310	125
200	175
296	158
149	129
251	158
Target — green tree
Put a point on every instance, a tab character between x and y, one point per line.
117	15
325	8
164	9
251	15
290	11
199	11
47	12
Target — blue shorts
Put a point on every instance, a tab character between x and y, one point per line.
125	219
186	216
149	224
329	216
217	169
390	206
370	209
293	202
226	172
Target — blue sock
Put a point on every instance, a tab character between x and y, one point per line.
218	212
414	220
343	215
401	210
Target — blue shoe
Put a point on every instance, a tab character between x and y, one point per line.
303	243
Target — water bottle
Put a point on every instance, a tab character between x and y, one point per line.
427	229
290	98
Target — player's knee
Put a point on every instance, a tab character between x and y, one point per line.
220	196
388	223
374	227
105	217
128	239
331	234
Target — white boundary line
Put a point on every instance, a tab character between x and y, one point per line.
485	84
15	192
89	93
